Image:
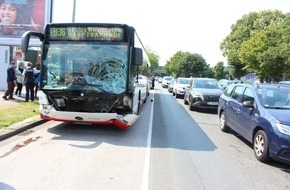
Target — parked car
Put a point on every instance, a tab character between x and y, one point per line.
159	79
224	83
179	87
142	82
284	82
260	114
202	93
166	81
170	86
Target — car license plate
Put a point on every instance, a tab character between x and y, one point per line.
213	103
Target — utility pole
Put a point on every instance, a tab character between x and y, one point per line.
74	11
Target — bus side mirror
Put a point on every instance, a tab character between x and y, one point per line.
26	37
138	54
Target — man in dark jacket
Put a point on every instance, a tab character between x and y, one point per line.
11	81
29	81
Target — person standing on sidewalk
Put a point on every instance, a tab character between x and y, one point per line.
19	71
29	81
37	80
11	81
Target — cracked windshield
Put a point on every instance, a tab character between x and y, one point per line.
100	68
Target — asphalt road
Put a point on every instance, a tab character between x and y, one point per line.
169	147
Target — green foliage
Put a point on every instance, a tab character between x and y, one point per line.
209	72
220	71
185	64
243	30
172	66
153	59
144	69
266	53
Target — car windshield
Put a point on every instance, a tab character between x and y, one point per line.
207	84
278	98
168	78
183	81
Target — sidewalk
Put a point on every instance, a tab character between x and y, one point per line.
19	127
11	103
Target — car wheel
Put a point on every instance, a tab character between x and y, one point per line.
261	146
223	124
173	93
185	101
190	104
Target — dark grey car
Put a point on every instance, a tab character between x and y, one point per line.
202	93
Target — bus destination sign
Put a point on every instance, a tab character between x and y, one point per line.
86	33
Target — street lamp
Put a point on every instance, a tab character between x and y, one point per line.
74	11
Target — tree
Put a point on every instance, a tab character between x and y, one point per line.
144	69
172	66
186	64
220	70
209	72
242	31
266	53
153	59
192	65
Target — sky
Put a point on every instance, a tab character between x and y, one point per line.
169	26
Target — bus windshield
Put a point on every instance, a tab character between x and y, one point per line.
89	66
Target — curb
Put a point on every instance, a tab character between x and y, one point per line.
20	127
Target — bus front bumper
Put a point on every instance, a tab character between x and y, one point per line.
122	122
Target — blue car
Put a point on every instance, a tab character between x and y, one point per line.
260	113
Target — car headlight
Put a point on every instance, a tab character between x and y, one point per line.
180	88
285	129
198	95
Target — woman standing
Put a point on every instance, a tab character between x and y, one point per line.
19	71
37	80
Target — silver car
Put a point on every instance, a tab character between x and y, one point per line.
202	93
166	81
179	86
170	86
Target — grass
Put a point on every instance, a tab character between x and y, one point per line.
18	113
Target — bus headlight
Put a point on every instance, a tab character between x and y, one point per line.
59	102
46	108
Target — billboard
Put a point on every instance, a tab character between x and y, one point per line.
19	16
4	63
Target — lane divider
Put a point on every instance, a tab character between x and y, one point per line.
145	179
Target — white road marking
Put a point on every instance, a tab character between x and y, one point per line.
145	180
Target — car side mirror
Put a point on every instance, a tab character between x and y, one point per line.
248	104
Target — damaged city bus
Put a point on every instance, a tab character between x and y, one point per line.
89	73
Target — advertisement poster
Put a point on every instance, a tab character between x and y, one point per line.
19	16
4	64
